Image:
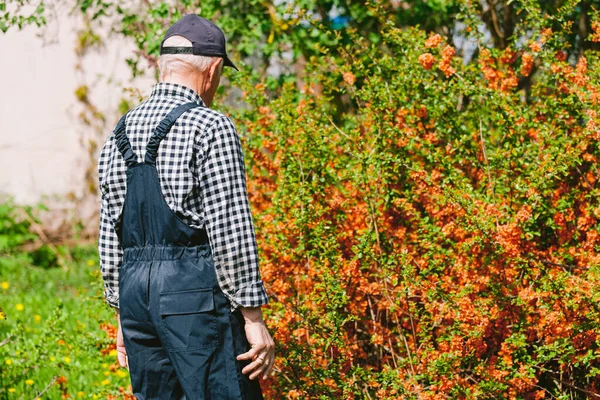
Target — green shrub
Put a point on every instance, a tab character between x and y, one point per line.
56	333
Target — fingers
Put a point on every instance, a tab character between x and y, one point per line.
250	353
266	366
269	367
260	370
263	363
270	358
258	361
122	360
121	353
122	356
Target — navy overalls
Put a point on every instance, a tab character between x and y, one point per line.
180	336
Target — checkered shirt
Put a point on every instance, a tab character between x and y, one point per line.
200	164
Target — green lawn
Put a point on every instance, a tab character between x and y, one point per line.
53	329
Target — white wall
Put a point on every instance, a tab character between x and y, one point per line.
40	132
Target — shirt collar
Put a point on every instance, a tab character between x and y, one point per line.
175	90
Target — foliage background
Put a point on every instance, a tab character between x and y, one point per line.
423	177
57	336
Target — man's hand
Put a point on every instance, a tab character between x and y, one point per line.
121	354
262	350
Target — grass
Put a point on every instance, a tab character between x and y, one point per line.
55	342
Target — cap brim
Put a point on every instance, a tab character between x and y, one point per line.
228	63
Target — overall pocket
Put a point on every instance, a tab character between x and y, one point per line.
189	319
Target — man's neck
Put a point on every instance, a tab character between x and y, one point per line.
194	82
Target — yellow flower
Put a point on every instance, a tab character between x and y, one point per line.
121	373
105	382
5	285
106	373
80	394
8	361
52	359
104	365
12	390
90	262
37	317
67	359
112	353
20	307
29	382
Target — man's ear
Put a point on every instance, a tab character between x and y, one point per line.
213	70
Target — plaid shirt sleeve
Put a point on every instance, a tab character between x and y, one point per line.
227	216
109	248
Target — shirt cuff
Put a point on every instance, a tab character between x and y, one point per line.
252	295
112	299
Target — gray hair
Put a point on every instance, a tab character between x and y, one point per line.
181	63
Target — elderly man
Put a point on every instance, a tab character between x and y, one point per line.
177	243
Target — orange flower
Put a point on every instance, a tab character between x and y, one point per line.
535	47
581	70
524	213
533	133
487	68
433	41
560	55
595	37
544	35
349	78
448	52
444	64
508	57
527	64
509	82
426	60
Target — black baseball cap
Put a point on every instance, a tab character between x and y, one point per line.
206	37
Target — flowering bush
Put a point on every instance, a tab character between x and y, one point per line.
434	233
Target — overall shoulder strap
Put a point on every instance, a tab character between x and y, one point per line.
162	129
123	143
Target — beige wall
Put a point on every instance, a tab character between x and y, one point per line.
40	133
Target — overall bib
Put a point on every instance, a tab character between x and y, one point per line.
180	336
